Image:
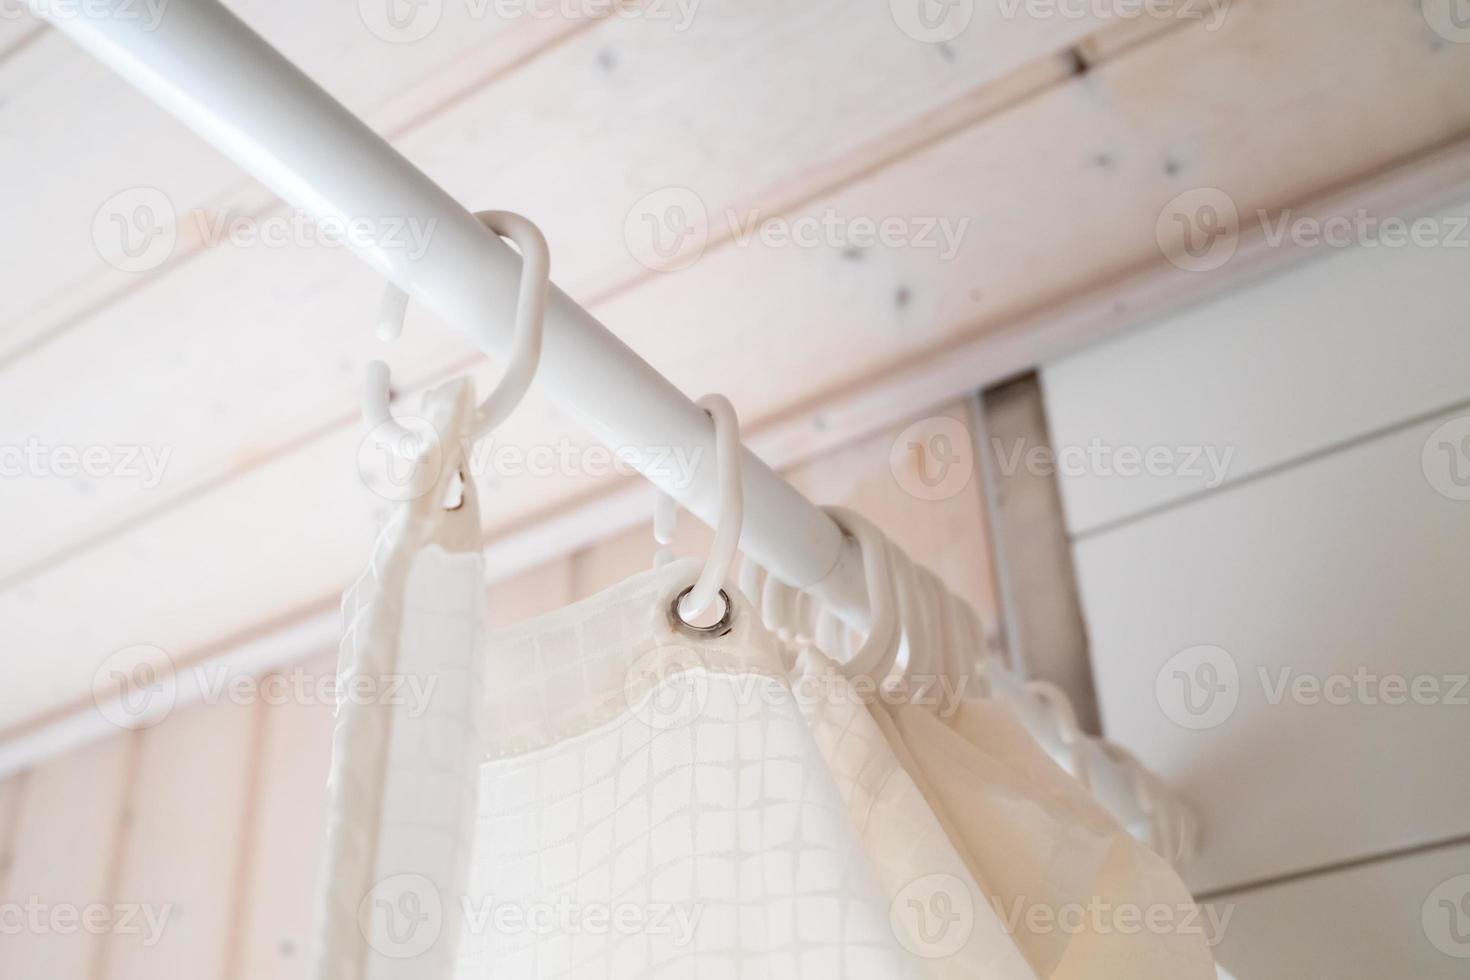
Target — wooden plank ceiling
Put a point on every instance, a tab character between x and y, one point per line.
1051	143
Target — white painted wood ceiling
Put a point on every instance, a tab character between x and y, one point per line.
1053	141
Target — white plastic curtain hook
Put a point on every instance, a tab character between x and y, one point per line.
731	514
525	348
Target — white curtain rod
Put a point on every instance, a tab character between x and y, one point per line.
226	83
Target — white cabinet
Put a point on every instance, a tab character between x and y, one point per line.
1402	917
1246	646
1328	352
1287	638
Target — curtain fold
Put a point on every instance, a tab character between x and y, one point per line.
603	793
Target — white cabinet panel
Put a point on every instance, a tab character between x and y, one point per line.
1351	571
1406	917
1345	345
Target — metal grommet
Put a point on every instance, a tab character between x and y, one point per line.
676	619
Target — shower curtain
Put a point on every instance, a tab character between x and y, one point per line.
602	793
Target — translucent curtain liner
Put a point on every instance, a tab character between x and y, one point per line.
601	793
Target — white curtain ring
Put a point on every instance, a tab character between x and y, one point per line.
525	348
962	655
879	649
692	603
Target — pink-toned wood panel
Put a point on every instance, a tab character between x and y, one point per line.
183	850
68	817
